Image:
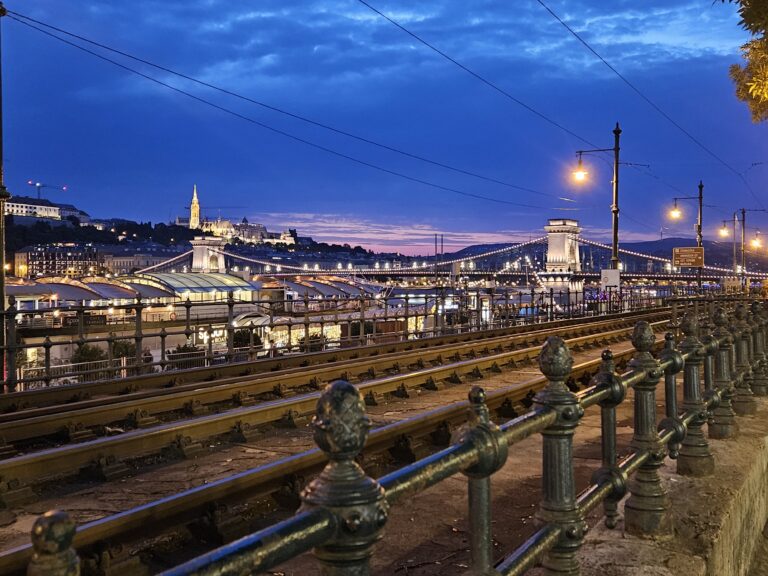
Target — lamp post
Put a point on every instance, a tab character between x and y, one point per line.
676	213
4	196
580	175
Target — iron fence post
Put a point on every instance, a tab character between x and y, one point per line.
744	402
188	320
646	510
695	457
163	349
759	382
607	378
139	337
47	344
209	348
558	505
493	450
672	420
230	325
11	345
405	326
723	424
356	501
53	555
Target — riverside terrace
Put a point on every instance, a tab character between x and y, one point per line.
344	512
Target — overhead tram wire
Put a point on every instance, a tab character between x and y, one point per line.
283	132
504	92
482	79
652	103
277	109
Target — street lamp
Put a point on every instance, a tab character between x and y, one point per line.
676	214
4	196
756	242
580	176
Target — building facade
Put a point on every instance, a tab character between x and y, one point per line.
67	260
33	207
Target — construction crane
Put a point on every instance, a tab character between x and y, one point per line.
40	186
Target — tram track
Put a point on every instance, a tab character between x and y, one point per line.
86	419
105	457
102	390
176	511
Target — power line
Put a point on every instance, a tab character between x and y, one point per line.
283	132
279	110
471	72
505	93
652	103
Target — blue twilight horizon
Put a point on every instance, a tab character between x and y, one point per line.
127	147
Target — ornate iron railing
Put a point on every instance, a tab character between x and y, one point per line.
722	357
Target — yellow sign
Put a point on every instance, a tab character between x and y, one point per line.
689	257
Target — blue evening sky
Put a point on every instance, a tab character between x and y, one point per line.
129	148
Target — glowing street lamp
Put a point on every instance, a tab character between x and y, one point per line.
580	174
724	232
675	213
756	242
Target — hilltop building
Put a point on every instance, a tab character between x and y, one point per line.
223	228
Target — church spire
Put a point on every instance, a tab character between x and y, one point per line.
194	210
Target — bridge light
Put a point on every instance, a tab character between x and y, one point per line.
756	242
724	230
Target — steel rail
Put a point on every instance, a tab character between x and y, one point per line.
54	395
71	458
178	509
55	420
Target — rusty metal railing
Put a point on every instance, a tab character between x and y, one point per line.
722	358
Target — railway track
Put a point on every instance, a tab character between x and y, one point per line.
86	419
105	457
429	431
53	396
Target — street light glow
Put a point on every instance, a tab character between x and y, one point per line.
580	174
675	213
724	231
756	242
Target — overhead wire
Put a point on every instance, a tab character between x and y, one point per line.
278	110
505	93
651	103
478	76
280	131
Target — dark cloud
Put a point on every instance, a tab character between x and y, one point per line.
128	147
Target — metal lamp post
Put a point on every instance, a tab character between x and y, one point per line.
580	175
676	213
4	196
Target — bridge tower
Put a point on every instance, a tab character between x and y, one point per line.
563	260
562	245
206	256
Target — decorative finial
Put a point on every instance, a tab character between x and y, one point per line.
643	337
721	317
690	325
52	535
341	424
555	360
